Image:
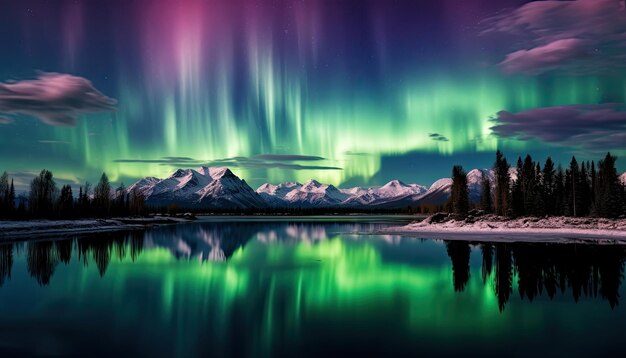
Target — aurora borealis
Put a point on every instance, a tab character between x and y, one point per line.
356	92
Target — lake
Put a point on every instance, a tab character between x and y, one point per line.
306	287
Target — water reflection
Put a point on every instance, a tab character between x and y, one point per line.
583	270
6	262
533	270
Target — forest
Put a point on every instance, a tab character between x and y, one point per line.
584	189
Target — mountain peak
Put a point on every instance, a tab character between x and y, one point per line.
312	183
215	172
181	173
394	184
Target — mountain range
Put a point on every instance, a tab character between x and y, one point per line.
218	188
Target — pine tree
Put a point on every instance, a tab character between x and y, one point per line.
517	194
66	202
102	196
503	179
573	189
120	200
593	184
11	200
4	193
485	193
42	191
459	196
528	185
548	186
584	187
609	200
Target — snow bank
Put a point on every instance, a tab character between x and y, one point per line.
493	228
33	228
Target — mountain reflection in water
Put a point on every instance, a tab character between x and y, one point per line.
530	269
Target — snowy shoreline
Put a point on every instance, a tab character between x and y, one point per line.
10	230
527	229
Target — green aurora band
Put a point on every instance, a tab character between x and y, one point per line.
353	133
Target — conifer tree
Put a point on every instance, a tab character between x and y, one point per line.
609	200
502	195
486	203
517	194
42	191
459	196
102	196
548	186
66	202
4	194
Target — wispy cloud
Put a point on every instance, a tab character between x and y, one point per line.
256	162
287	157
581	36
54	98
438	137
6	120
600	127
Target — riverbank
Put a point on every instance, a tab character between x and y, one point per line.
36	228
529	229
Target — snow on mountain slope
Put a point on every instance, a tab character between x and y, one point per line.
274	195
220	188
143	185
202	188
439	192
227	189
315	194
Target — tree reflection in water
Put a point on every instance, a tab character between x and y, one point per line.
534	269
6	262
585	270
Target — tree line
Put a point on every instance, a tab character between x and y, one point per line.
46	200
584	189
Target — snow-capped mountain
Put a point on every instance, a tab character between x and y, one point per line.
315	194
308	195
439	191
376	196
274	195
209	188
622	179
202	188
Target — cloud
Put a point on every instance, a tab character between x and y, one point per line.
594	127
164	161
288	157
579	37
6	120
54	98
545	58
438	137
256	162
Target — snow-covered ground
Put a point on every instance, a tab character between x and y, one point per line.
492	228
33	228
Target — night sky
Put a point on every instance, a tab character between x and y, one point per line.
347	92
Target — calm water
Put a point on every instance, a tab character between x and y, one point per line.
259	288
